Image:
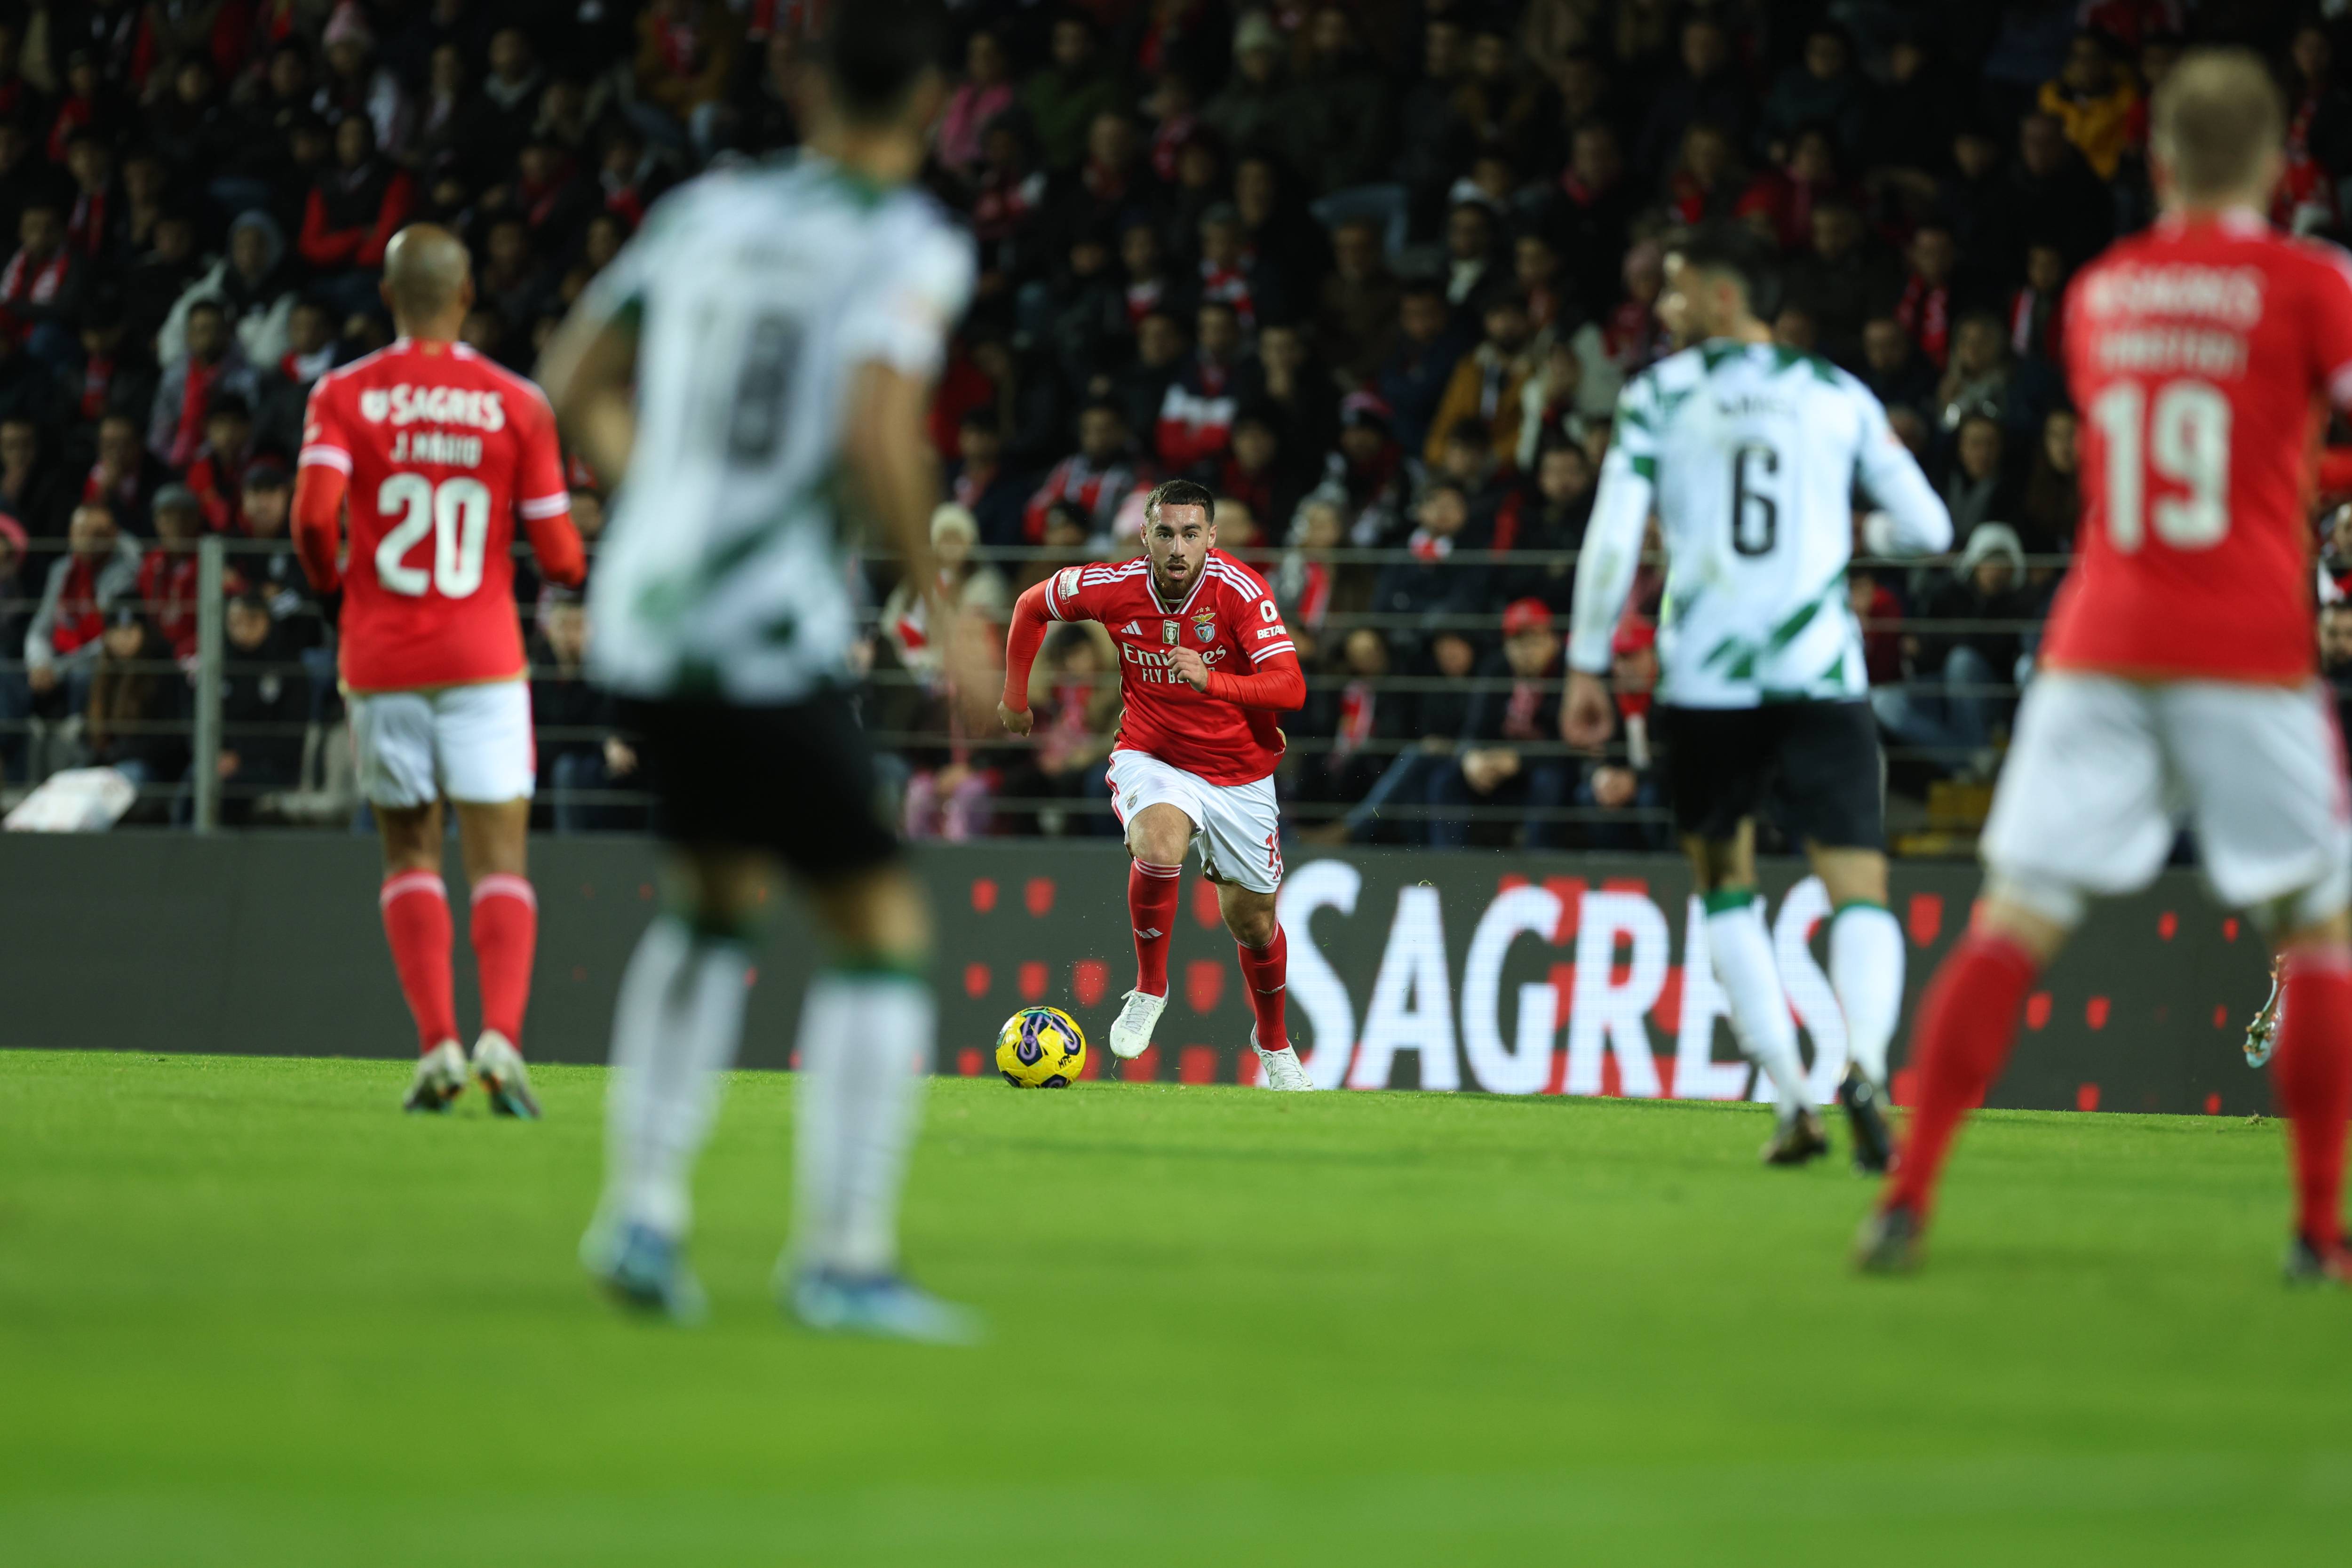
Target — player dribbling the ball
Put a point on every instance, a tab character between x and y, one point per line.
1205	663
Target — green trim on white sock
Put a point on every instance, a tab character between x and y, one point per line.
1723	901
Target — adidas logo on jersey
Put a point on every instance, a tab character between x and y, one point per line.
1130	630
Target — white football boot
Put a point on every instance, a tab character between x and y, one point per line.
500	1066
1130	1032
1284	1070
440	1079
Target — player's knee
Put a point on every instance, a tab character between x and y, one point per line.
878	916
1250	918
1159	833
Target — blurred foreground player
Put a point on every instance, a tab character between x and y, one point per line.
1751	453
435	451
2178	673
781	326
1205	663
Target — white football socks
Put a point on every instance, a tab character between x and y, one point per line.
1740	950
675	1029
865	1049
1866	972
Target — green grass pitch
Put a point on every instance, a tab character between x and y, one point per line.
250	1315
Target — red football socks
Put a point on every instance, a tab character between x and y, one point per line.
505	931
1263	971
416	923
2311	1071
1151	892
1967	1024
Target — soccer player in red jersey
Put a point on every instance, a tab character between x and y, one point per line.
1204	665
435	451
2179	679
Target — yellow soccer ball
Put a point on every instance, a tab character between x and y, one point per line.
1040	1048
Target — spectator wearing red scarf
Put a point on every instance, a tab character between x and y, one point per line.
985	92
62	643
168	575
686	55
214	366
1925	308
41	285
124	475
217	475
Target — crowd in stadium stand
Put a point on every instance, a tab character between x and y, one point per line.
1374	272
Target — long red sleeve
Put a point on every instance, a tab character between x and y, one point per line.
1278	684
562	557
390	214
318	523
1022	638
322	247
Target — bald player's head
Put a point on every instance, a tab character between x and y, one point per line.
427	278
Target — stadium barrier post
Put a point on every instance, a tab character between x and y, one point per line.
207	747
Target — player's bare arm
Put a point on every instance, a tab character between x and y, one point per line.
586	371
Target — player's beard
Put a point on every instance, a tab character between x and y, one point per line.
1172	591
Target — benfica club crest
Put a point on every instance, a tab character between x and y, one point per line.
1204	626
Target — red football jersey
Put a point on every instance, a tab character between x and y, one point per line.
1229	616
443	450
2199	354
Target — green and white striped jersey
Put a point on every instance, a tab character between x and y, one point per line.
756	293
1750	454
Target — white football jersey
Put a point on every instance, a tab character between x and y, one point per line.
756	291
1750	453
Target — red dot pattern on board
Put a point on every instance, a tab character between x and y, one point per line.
579	972
1089	978
2213	1104
968	1061
2221	1016
1508	880
1039	896
1033	981
984	894
1206	914
1926	918
1196	1064
2229	929
1204	983
1570	892
645	892
1627	885
2037	1010
2086	1097
1666	1012
2094	1012
975	980
1612	1081
1143	1068
2168	925
793	1062
751	977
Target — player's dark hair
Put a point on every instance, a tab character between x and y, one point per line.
1729	250
1178	493
876	50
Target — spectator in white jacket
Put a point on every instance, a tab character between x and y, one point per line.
254	290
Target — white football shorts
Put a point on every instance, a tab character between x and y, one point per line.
1236	827
472	743
2104	772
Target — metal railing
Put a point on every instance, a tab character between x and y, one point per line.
906	713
